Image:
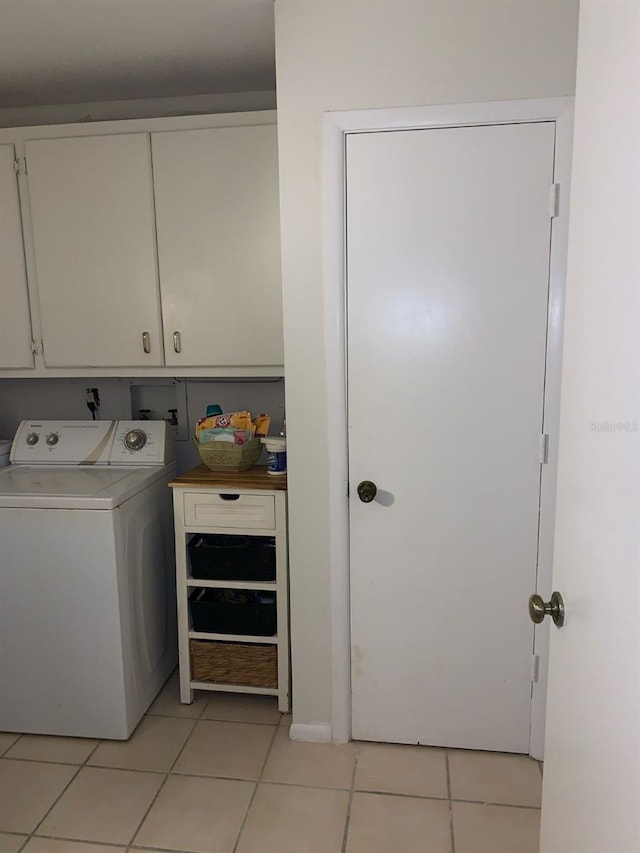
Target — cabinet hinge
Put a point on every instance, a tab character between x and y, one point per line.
554	201
37	347
543	448
535	669
20	166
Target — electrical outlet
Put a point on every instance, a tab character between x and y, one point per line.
93	401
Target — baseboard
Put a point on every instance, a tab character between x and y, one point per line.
310	732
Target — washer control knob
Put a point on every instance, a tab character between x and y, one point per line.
32	439
52	439
135	439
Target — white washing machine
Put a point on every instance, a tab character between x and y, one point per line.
87	581
5	447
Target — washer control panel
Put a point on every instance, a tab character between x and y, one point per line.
93	443
135	439
142	443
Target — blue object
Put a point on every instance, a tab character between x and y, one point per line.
276	461
213	410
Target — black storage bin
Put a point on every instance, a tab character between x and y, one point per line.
221	611
244	558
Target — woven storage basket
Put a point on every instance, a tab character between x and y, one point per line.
234	663
225	456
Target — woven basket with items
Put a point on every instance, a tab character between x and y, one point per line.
230	442
222	456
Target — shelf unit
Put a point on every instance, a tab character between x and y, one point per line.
251	503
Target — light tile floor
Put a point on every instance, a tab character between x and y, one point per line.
221	776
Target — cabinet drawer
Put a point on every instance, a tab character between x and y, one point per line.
215	510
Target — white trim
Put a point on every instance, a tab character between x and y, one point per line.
336	359
336	126
19	135
557	281
311	733
137	108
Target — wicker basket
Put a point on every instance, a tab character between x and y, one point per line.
225	456
234	663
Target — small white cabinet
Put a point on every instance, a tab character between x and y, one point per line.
240	586
92	213
217	213
15	323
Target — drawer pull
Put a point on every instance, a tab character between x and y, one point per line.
229	497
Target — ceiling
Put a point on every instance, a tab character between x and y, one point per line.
73	51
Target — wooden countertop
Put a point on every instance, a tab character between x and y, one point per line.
255	478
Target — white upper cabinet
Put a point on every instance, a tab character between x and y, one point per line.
217	213
15	324
151	247
92	213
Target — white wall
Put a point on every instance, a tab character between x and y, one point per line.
66	399
592	759
356	54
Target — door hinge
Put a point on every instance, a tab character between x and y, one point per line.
20	166
37	347
535	669
543	448
554	201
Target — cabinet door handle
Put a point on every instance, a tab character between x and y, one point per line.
146	342
177	343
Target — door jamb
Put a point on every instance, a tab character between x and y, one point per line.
336	127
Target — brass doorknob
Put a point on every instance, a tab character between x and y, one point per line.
367	491
538	609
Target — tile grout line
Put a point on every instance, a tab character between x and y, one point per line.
397	794
500	805
79	768
451	830
200	718
146	814
28	836
181	775
79	841
4	752
276	729
347	823
164	781
84	764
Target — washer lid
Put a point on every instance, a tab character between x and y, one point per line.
73	487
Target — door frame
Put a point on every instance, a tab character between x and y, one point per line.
337	125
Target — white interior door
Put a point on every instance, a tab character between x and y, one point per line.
591	789
448	235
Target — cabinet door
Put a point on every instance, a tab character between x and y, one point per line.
94	235
15	323
219	245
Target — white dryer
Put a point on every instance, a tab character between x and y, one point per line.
87	582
